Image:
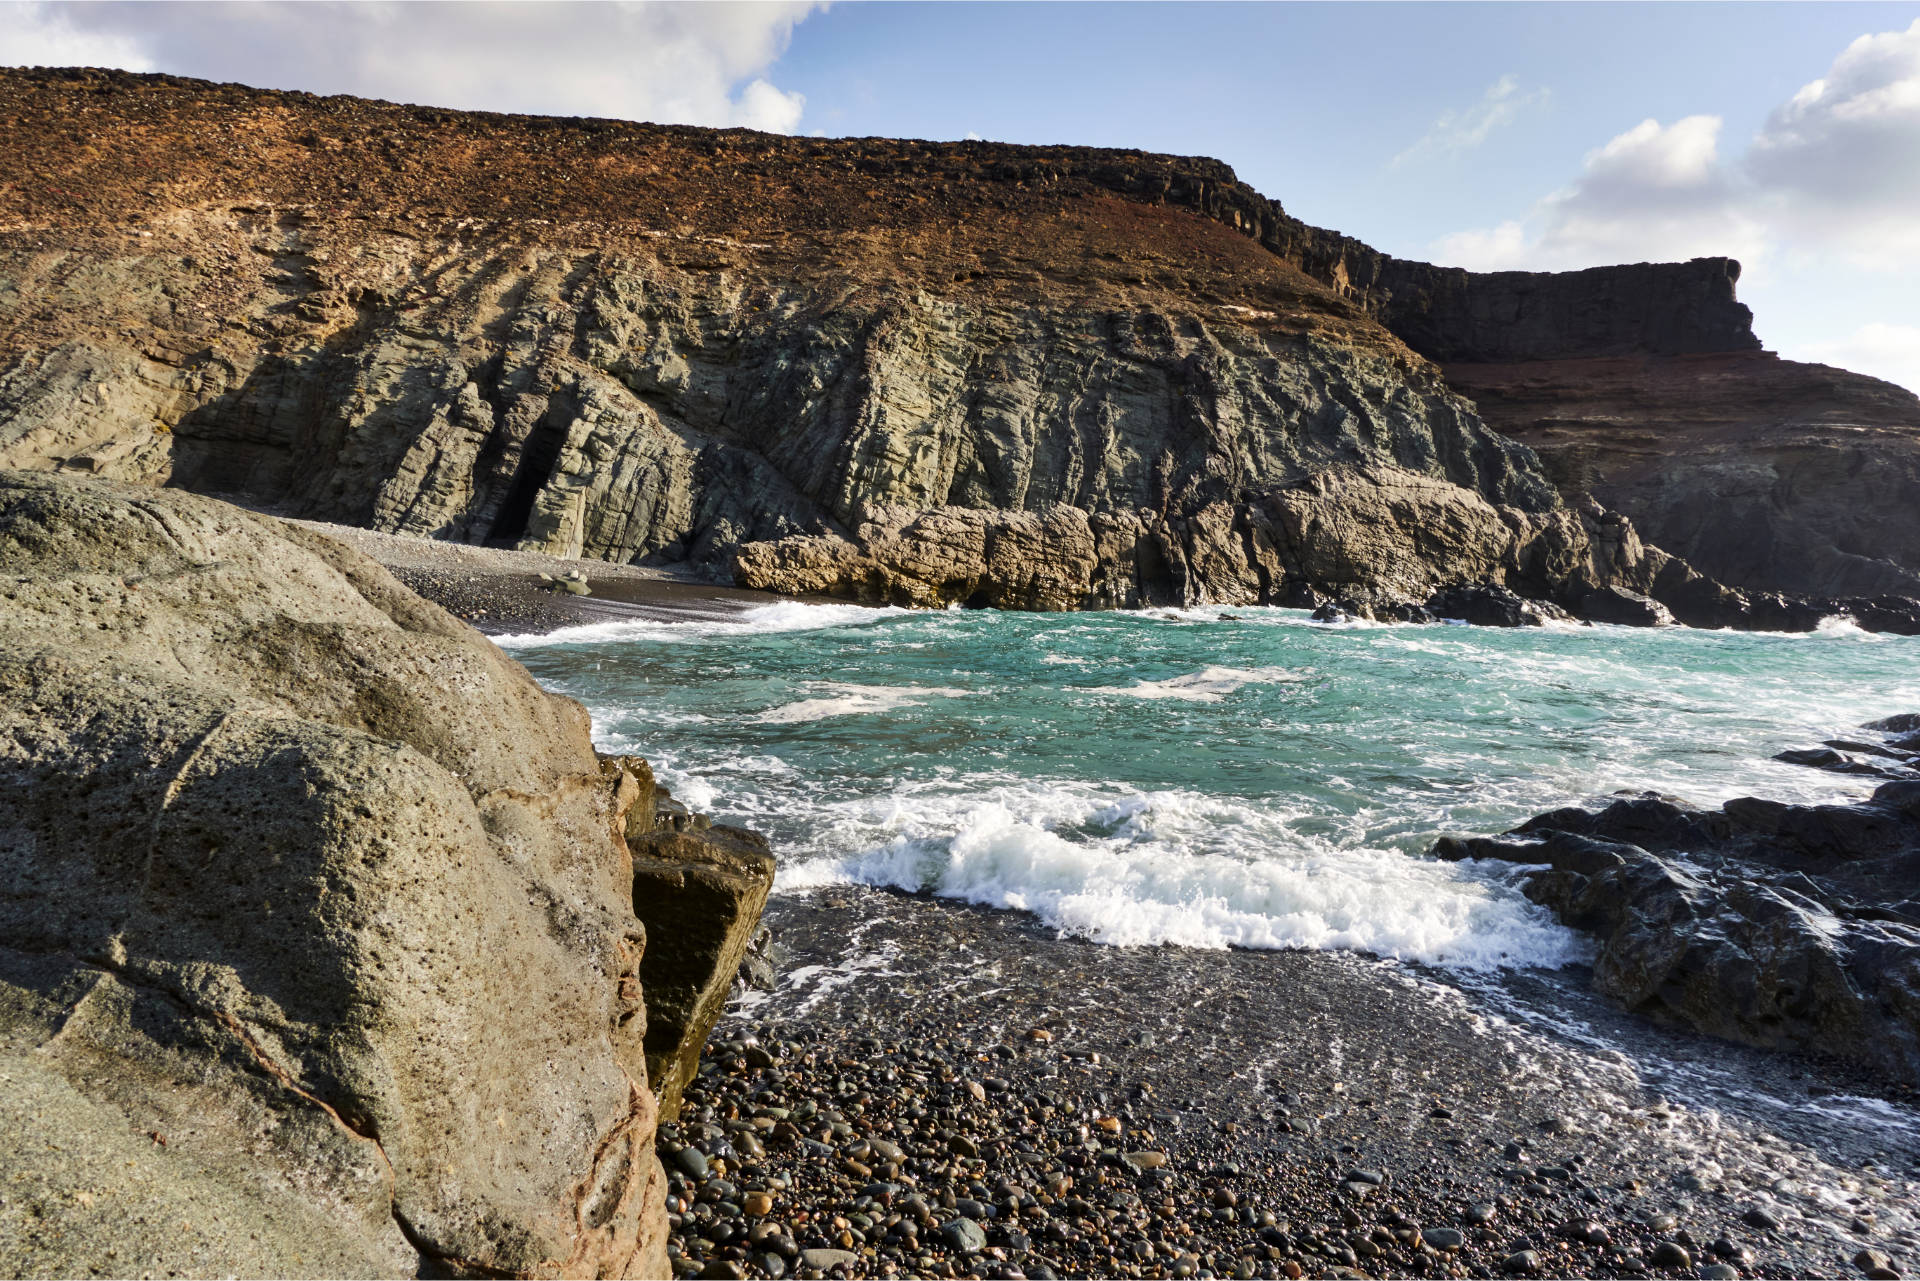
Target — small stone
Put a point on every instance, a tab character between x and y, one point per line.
1141	1162
1479	1213
1109	1124
1755	1217
1876	1264
693	1161
1375	1177
758	1205
1719	1272
964	1235
1671	1254
1443	1238
824	1260
1522	1261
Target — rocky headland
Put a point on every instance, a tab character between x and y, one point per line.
328	945
870	367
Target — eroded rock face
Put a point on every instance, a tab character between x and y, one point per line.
665	344
1785	926
1768	474
700	893
700	890
316	930
1380	541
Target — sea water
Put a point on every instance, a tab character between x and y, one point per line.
1208	777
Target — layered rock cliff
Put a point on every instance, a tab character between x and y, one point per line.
322	949
634	342
1766	473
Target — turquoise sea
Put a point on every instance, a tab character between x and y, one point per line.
1209	777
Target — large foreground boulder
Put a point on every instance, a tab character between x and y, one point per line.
317	948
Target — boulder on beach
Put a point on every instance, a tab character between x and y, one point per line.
1785	926
317	946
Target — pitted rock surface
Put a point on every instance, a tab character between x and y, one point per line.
318	947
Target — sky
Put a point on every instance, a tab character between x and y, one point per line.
1488	136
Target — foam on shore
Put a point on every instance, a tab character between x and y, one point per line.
689	625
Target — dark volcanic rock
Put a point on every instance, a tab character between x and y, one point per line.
1614	604
1768	474
1776	925
1486	605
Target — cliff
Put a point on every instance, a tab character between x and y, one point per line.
673	344
1766	473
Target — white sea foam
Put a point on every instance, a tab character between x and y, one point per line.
782	616
1178	867
1208	685
854	700
1842	625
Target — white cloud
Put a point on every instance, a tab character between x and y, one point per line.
670	62
1835	171
1884	350
1654	193
40	35
1462	130
1821	205
1842	157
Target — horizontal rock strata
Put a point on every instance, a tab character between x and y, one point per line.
1767	474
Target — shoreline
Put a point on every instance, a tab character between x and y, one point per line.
1577	1140
499	591
1186	1112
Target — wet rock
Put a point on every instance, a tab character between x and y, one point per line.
1670	1254
700	895
1875	1263
1614	604
1838	762
1487	605
1777	925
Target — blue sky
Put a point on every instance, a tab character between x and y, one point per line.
1488	135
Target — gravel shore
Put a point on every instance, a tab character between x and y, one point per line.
938	1090
931	1089
499	590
